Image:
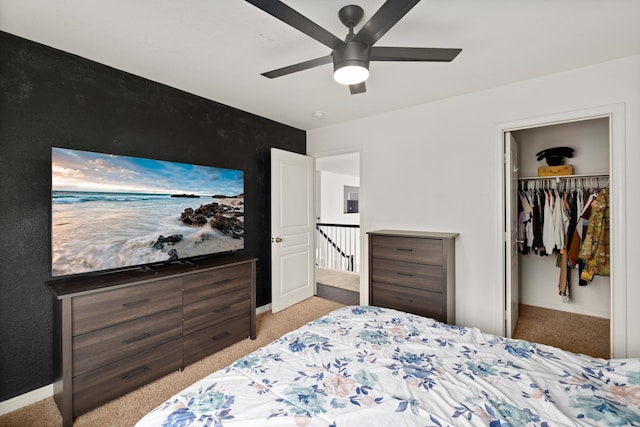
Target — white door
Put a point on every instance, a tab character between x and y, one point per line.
511	232
292	247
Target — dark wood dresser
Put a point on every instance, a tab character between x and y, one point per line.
413	271
117	332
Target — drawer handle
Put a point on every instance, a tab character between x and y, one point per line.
404	274
135	372
132	304
404	250
220	282
218	310
138	338
220	336
410	300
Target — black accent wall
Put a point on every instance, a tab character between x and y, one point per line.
52	98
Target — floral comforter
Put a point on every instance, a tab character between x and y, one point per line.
369	366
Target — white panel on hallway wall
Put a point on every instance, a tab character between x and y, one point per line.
332	198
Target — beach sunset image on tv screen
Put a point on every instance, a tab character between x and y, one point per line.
111	212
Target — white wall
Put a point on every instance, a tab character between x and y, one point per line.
539	287
588	138
332	198
437	167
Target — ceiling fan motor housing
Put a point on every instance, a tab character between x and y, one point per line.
351	53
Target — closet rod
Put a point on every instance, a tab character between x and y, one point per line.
584	175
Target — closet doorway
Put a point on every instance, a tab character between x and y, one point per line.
535	295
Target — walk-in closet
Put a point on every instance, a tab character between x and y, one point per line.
564	295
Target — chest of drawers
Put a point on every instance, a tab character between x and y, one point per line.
413	271
216	311
115	333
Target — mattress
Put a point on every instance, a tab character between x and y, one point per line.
371	366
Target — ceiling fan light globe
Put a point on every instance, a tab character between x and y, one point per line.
351	74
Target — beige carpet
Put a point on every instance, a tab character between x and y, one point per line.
127	410
572	332
340	279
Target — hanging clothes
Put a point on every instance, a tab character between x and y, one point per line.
573	219
560	220
584	222
570	222
548	230
538	223
525	222
523	218
568	211
563	281
575	228
595	247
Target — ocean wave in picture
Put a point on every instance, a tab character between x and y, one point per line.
85	196
81	243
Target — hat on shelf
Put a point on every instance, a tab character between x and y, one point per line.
555	156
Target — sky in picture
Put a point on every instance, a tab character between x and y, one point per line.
74	170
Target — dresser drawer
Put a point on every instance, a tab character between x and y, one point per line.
212	311
102	309
214	338
96	349
205	285
423	303
419	276
407	249
101	385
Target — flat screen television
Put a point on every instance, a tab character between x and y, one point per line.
112	212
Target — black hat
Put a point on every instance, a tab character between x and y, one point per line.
555	156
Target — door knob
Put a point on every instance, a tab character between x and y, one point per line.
277	239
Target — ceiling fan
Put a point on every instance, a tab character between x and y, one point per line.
351	57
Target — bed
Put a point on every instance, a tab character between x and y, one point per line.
371	366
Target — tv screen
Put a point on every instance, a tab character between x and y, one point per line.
113	212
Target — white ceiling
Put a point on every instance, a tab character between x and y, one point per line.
343	164
218	48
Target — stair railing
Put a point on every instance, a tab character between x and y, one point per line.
338	246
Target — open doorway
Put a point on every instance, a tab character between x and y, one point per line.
575	318
337	215
614	145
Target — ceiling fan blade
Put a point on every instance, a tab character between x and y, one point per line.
358	88
298	21
298	67
385	18
428	54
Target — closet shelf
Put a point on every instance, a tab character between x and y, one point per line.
557	177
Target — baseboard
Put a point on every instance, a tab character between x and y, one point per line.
568	308
34	396
263	309
26	399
